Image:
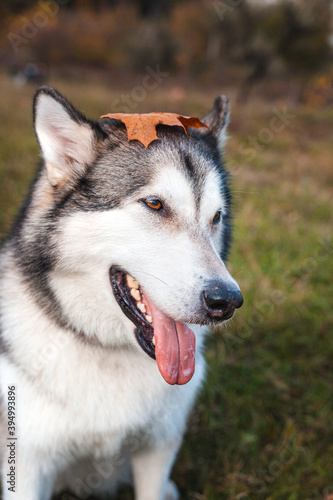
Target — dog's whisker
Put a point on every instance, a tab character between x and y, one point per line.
152	275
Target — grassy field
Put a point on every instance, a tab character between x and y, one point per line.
263	425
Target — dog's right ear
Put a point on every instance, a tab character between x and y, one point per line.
67	139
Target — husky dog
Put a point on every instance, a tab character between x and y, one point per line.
108	282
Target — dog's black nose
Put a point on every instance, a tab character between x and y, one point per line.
220	300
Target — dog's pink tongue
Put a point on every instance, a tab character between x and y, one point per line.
174	347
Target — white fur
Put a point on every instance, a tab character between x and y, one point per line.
66	145
73	398
88	406
93	241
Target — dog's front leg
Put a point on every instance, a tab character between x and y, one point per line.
151	469
28	483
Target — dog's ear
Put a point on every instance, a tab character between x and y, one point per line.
66	137
217	119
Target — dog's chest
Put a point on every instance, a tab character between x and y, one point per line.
104	399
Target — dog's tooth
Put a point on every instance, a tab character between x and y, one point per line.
149	318
141	306
135	294
131	282
153	340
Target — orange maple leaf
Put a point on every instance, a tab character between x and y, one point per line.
142	127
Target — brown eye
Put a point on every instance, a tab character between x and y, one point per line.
154	204
217	217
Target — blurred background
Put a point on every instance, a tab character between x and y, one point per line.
221	42
263	425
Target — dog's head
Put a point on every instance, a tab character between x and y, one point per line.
138	235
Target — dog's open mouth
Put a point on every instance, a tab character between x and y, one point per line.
170	342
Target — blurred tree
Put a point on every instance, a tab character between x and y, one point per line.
8	7
211	39
191	25
153	8
97	5
299	32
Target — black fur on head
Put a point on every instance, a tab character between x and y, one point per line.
117	167
88	166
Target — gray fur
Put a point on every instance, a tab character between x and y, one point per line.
94	188
120	167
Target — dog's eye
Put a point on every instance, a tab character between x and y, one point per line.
154	204
217	217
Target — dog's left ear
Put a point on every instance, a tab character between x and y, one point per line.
66	137
217	119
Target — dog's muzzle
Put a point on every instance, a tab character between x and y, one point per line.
220	300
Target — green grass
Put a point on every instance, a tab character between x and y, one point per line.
263	425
